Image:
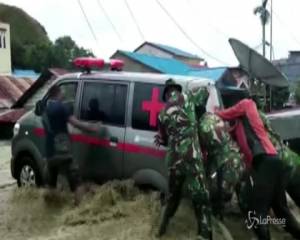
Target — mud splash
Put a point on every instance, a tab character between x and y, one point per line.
116	210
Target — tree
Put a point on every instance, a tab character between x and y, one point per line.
264	15
47	54
280	96
65	50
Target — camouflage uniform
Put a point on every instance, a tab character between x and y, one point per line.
285	153
224	166
178	123
291	159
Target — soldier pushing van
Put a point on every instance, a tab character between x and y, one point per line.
178	131
269	175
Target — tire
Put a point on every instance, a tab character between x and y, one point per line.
27	173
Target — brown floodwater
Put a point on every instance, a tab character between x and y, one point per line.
115	211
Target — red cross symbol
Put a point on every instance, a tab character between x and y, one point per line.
154	107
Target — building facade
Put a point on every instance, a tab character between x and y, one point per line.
166	51
5	49
290	66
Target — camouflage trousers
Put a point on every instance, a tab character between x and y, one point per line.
224	169
191	175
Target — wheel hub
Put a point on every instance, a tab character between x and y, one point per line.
27	176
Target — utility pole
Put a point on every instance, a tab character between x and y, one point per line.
271	48
271	32
264	4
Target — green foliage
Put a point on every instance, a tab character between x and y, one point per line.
31	47
280	96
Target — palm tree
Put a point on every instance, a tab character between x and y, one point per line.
264	15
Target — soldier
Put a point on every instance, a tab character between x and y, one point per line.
223	161
267	182
178	131
289	157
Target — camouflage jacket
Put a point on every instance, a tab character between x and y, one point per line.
178	124
285	153
222	150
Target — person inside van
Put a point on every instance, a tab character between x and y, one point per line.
94	113
268	176
178	131
56	117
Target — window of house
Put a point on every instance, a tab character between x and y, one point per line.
104	102
147	104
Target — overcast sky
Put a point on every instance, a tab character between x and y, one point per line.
209	23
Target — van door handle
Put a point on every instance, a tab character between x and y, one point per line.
113	141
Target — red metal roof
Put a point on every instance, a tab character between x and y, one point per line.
11	115
11	89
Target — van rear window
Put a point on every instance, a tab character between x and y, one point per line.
147	103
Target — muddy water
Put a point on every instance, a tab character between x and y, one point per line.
116	210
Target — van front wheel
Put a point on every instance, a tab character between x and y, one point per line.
27	173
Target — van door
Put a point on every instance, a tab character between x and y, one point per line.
103	155
140	151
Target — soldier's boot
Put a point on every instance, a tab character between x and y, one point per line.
164	221
203	216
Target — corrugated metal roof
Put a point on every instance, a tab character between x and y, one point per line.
12	115
211	73
11	89
173	66
163	65
175	51
22	73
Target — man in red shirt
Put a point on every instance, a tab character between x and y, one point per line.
268	177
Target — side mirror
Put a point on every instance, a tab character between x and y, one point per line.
39	107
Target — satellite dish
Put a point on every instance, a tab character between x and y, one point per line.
257	66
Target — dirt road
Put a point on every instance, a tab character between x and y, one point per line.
116	211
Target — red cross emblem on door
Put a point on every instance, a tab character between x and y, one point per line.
153	107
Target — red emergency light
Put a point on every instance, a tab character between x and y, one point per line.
88	63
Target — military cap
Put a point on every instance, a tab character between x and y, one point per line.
170	83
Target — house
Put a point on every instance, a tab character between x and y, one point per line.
5	51
11	89
17	96
140	62
165	51
137	62
25	73
290	66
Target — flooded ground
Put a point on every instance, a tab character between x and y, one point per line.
114	211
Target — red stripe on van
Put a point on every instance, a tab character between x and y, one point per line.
126	147
132	148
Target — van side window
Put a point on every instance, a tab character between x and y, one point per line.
147	104
104	102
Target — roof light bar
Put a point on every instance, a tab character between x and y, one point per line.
88	63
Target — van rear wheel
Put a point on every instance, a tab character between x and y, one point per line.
28	175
